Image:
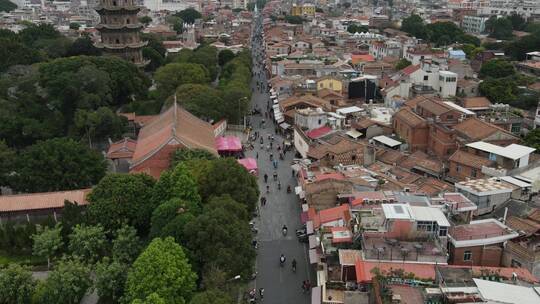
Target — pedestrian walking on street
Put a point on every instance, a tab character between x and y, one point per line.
261	293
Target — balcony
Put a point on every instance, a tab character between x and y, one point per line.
429	251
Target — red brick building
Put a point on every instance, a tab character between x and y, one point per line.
474	129
479	243
174	129
442	140
464	165
412	128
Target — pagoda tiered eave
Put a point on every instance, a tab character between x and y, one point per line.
131	8
137	45
102	27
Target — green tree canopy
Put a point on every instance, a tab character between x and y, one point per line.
236	101
90	82
88	242
153	298
225	56
402	63
518	23
126	245
14	52
499	90
497	68
532	139
414	25
294	19
110	280
520	47
218	238
211	297
72	215
83	46
226	176
47	242
189	15
201	100
103	123
355	28
16	285
146	20
176	183
7	6
471	50
67	283
499	28
162	268
57	164
172	75
156	60
207	56
182	155
170	217
122	199
227	203
7	163
74	26
176	22
33	33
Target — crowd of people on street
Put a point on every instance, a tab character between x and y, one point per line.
269	142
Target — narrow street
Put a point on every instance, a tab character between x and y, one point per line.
281	285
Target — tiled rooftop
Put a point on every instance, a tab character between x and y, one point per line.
485	185
476	231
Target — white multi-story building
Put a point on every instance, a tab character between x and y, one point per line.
171	5
467	4
385	48
525	8
474	24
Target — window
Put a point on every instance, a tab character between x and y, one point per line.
458	168
353	157
516	128
467	255
424	226
473	172
320	121
449	117
114	3
515	264
443	231
426	77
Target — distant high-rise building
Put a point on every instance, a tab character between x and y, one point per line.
120	30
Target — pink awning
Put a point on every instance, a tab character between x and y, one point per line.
228	144
304	217
249	163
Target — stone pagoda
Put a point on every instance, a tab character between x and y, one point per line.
120	30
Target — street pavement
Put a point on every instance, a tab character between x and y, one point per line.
281	285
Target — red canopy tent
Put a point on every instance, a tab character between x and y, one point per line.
228	144
250	164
